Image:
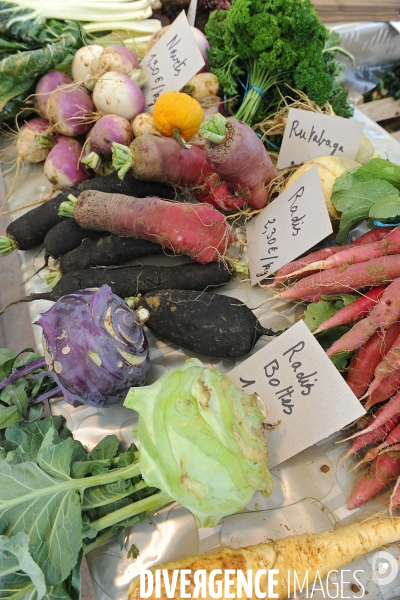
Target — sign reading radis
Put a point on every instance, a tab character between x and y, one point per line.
289	226
305	395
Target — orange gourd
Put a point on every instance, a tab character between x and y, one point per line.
177	115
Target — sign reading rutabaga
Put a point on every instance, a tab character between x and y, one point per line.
305	395
289	226
171	62
309	135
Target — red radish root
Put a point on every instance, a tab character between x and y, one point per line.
372	437
197	230
384	469
385	390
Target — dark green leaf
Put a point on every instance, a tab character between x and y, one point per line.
8	416
83	468
29	436
7	359
17	394
327	338
15	558
34	412
106	448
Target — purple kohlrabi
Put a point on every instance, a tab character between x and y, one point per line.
95	347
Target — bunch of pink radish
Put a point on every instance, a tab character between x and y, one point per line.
370	264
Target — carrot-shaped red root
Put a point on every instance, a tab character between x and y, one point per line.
374	235
355	311
392	439
217	193
384	313
371	273
386	389
389	245
197	230
372	437
389	410
389	364
384	469
364	361
395	497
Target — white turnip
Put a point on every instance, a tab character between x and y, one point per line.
115	93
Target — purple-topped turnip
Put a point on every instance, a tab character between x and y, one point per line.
108	129
62	167
95	347
46	85
70	111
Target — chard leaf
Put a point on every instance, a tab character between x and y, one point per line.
15	558
107	448
359	200
46	509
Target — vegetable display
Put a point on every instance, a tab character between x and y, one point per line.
201	441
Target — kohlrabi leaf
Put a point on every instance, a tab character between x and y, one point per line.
106	448
28	437
47	509
16	559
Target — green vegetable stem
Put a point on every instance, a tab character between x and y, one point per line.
273	43
58	501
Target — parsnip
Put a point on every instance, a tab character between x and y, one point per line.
322	552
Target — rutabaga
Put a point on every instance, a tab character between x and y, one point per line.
201	441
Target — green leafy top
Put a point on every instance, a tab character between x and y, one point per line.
274	41
371	191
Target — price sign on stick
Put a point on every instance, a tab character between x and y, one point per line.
309	135
289	226
305	395
172	61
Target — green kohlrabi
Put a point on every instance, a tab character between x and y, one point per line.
201	441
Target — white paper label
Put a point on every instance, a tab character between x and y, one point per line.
302	390
289	226
396	25
309	135
172	61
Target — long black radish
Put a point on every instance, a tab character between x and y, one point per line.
105	249
130	281
209	324
29	230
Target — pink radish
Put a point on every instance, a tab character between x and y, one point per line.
384	313
386	389
395	497
392	439
238	156
389	245
384	469
364	361
70	111
286	271
388	411
62	167
46	85
354	311
197	230
340	281
388	365
372	437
